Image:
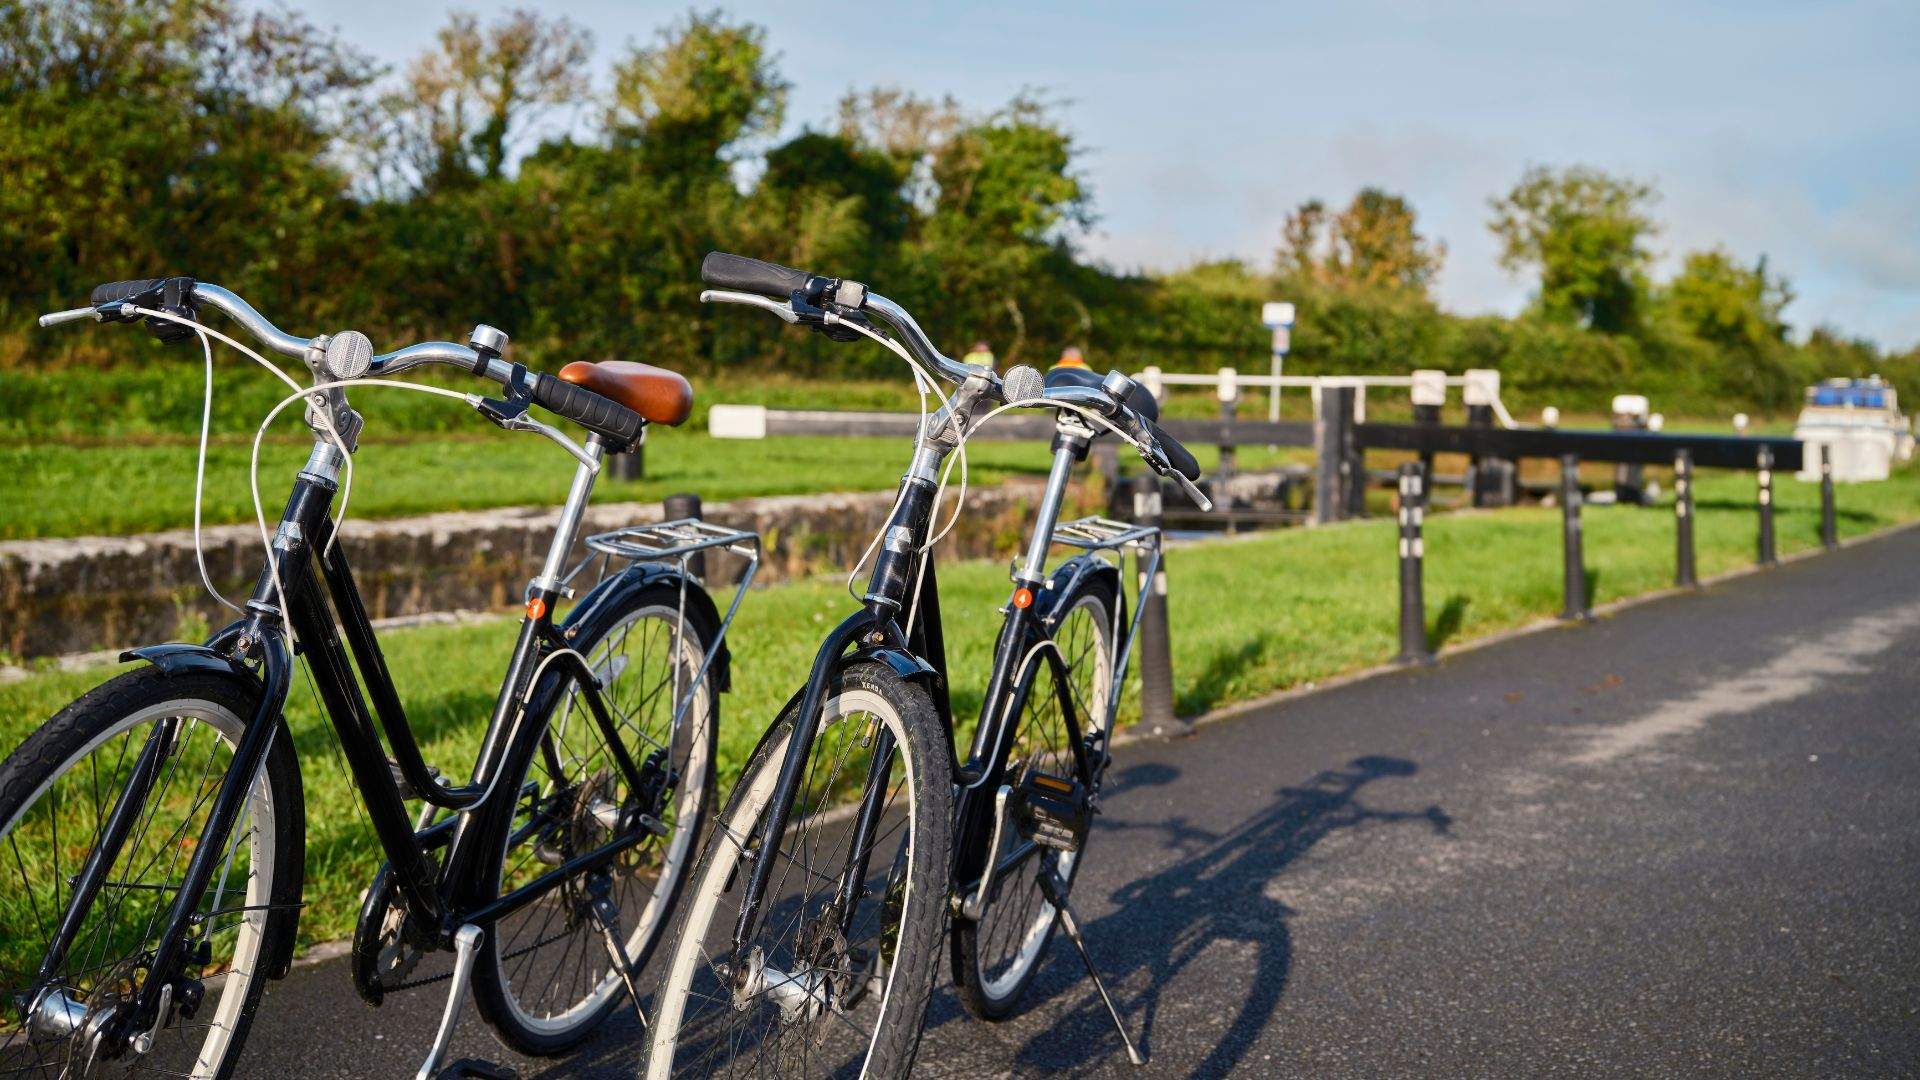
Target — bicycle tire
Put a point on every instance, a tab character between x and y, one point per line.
509	957
908	887
33	793
990	982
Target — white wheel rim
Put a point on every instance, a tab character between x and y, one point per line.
674	859
250	933
688	956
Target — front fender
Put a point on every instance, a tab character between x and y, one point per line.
181	658
904	664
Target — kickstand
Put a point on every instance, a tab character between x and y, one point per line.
465	944
1055	891
607	917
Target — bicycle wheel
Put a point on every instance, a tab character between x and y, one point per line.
57	791
822	991
995	958
544	978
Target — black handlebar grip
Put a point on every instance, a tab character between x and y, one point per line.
1177	455
113	292
724	271
588	409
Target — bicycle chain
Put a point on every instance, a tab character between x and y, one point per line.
431	979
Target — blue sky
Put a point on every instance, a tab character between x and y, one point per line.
1785	129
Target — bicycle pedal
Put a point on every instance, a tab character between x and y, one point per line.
476	1069
1052	811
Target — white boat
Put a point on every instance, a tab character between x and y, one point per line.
1859	422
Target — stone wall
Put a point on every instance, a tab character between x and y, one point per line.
99	592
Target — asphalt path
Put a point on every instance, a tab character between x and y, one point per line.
1682	840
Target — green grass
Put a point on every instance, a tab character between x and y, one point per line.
66	490
1250	616
92	451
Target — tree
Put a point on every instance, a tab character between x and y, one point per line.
1735	307
1371	244
1302	242
148	137
461	107
707	88
1737	310
1377	246
1585	233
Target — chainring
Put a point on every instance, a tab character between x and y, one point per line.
383	955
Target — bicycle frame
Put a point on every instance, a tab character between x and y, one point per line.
310	574
889	628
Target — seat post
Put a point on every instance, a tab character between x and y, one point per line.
571	514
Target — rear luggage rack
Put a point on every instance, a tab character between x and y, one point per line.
675	540
683	542
1105	534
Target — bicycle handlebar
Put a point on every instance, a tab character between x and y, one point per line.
584	407
820	301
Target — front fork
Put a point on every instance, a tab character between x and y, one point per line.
259	634
172	949
878	623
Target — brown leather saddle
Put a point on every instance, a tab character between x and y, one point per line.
659	395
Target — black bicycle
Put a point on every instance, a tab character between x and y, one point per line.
156	825
808	943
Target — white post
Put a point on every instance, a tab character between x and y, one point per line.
1277	316
1150	378
1275	368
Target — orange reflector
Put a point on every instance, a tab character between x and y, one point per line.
536	608
1023	597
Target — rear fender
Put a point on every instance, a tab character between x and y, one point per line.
1069	576
606	599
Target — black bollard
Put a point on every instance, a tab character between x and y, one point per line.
1333	454
1156	645
1229	454
1576	566
1683	571
1413	604
1767	555
631	465
1829	529
677	507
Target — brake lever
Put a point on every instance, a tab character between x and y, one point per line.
523	422
1164	468
55	318
1193	491
781	308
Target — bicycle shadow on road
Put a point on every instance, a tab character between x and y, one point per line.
1212	900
